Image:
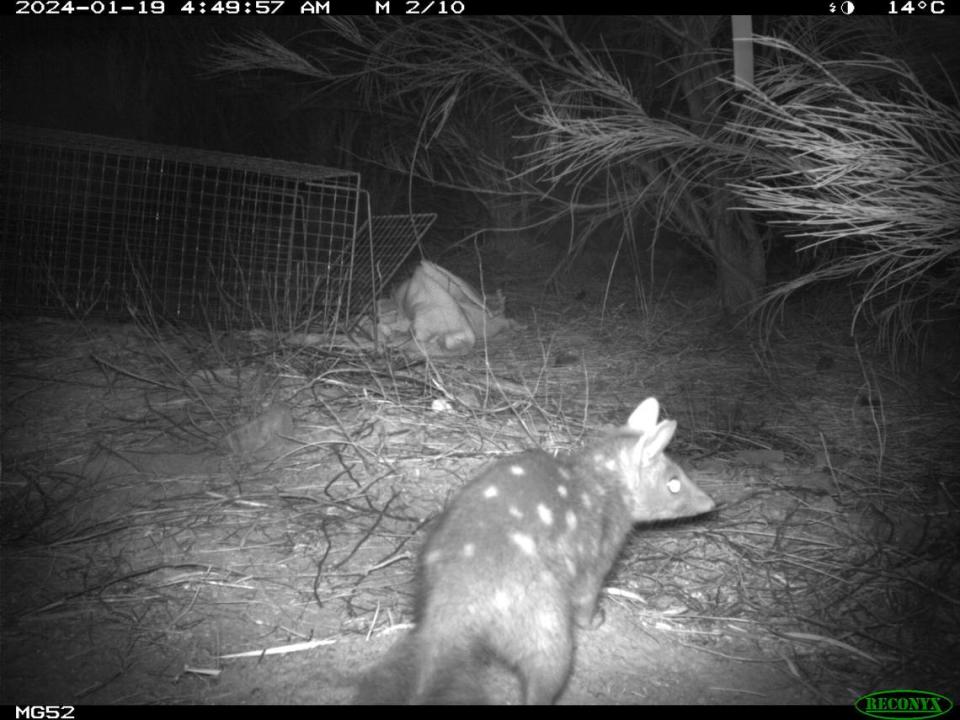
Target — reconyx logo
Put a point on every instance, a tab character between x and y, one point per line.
897	704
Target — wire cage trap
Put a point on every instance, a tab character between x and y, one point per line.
100	226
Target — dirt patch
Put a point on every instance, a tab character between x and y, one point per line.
144	546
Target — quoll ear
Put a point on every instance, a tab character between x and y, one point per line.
656	442
643	420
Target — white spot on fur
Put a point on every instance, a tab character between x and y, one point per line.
517	470
515	512
610	464
524	542
469	550
501	601
586	500
431	557
491	492
562	491
545	514
674	485
571	521
598	458
546	620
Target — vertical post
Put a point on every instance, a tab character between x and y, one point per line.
742	51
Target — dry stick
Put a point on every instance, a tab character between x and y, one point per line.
127	576
366	535
135	376
320	562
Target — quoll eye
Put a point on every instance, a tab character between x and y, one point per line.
673	485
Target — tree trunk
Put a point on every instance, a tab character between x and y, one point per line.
741	263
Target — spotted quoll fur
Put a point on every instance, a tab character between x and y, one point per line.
519	557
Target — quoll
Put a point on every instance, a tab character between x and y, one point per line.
519	557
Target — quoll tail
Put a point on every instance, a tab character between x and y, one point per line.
389	682
454	679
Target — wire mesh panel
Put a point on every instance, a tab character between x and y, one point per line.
94	225
391	238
